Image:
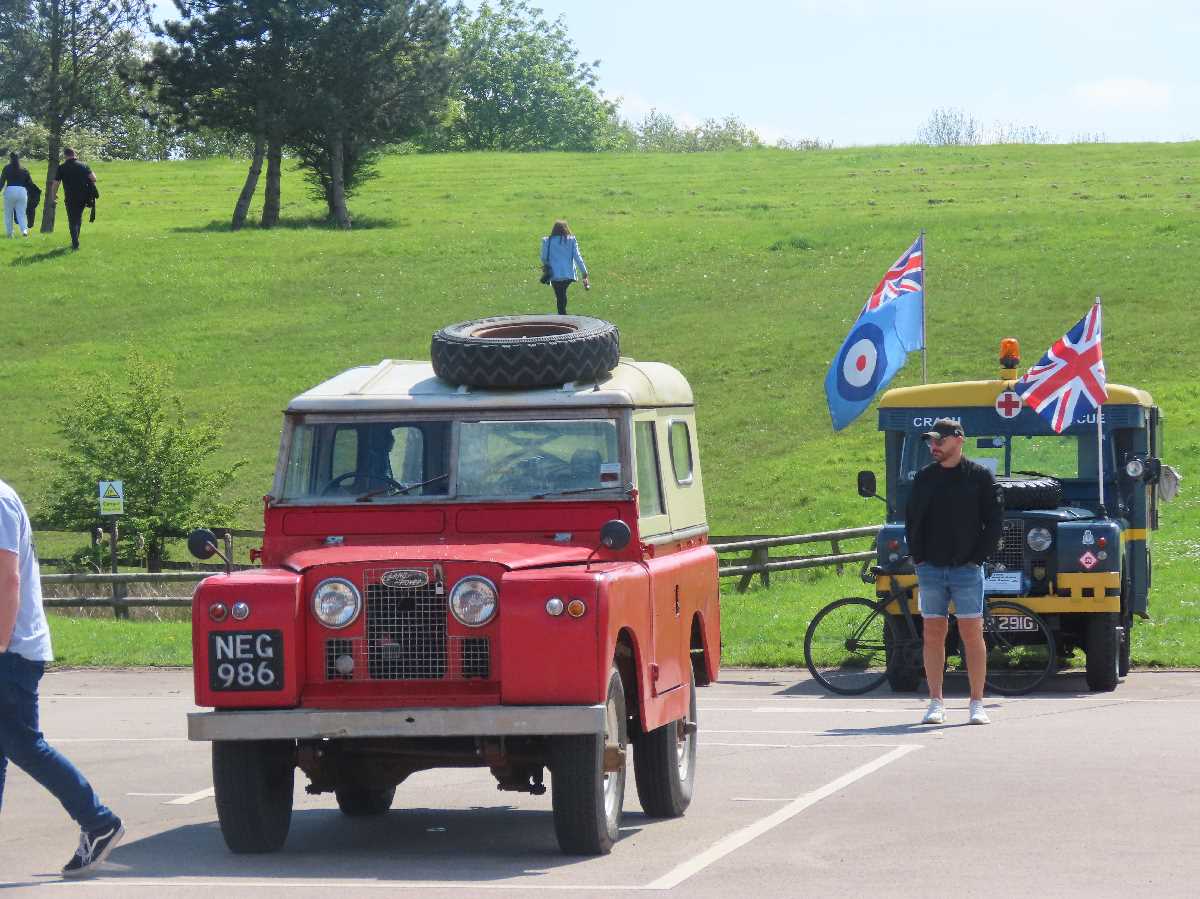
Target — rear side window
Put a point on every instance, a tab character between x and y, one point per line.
649	486
680	442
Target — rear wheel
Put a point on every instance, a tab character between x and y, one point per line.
361	802
844	646
1126	643
905	666
664	764
1020	648
252	782
1103	649
588	797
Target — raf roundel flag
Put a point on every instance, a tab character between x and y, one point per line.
888	327
868	360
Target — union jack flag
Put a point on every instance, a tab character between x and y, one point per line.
1068	382
907	275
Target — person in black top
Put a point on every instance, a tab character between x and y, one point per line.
954	521
16	185
78	183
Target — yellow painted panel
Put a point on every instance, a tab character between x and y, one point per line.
1043	605
1134	534
984	393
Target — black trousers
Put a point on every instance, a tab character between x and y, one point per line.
560	294
75	221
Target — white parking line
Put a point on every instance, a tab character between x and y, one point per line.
193	797
812	745
740	838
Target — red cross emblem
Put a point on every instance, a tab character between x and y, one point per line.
1008	404
1088	561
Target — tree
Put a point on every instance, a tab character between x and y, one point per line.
950	128
67	55
137	433
519	85
375	72
227	66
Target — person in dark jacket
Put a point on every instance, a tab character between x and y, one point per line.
954	521
78	184
17	186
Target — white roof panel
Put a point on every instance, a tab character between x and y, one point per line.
397	385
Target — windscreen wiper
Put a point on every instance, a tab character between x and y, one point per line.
575	491
403	489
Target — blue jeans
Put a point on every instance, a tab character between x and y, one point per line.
22	742
939	584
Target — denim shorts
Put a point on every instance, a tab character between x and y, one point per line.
939	585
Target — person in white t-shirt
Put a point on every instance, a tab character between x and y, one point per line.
24	651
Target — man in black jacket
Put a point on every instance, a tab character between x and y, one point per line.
954	521
78	182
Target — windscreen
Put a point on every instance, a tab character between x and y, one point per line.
351	461
528	458
1062	456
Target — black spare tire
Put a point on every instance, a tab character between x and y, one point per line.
1030	493
525	350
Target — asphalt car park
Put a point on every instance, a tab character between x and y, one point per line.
798	793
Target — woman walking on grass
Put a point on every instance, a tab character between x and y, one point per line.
15	182
560	252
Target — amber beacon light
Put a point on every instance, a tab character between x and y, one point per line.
1010	358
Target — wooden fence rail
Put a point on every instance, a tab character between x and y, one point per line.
119	600
761	564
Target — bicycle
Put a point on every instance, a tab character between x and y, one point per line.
853	645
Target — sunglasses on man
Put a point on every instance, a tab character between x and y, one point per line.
938	441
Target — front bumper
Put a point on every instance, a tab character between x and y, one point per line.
312	724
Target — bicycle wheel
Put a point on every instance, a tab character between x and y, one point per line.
844	646
1020	648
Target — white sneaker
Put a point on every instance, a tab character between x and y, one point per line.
978	715
936	713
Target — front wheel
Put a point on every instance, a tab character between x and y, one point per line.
252	782
1020	648
587	784
664	764
844	646
1103	651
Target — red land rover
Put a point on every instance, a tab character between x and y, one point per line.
498	559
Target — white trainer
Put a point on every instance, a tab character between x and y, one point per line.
936	713
978	715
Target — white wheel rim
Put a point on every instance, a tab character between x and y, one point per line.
614	781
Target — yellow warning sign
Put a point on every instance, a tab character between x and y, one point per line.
112	498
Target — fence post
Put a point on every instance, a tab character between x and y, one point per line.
119	591
758	556
837	551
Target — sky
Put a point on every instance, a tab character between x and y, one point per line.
861	72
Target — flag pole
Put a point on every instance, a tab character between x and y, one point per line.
924	300
1100	421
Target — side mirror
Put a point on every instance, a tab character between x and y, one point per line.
866	484
202	543
615	534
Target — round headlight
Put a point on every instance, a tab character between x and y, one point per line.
336	602
554	606
473	601
1039	539
1135	468
240	610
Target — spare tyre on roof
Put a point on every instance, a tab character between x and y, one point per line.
525	351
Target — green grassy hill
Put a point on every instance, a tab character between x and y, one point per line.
744	270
